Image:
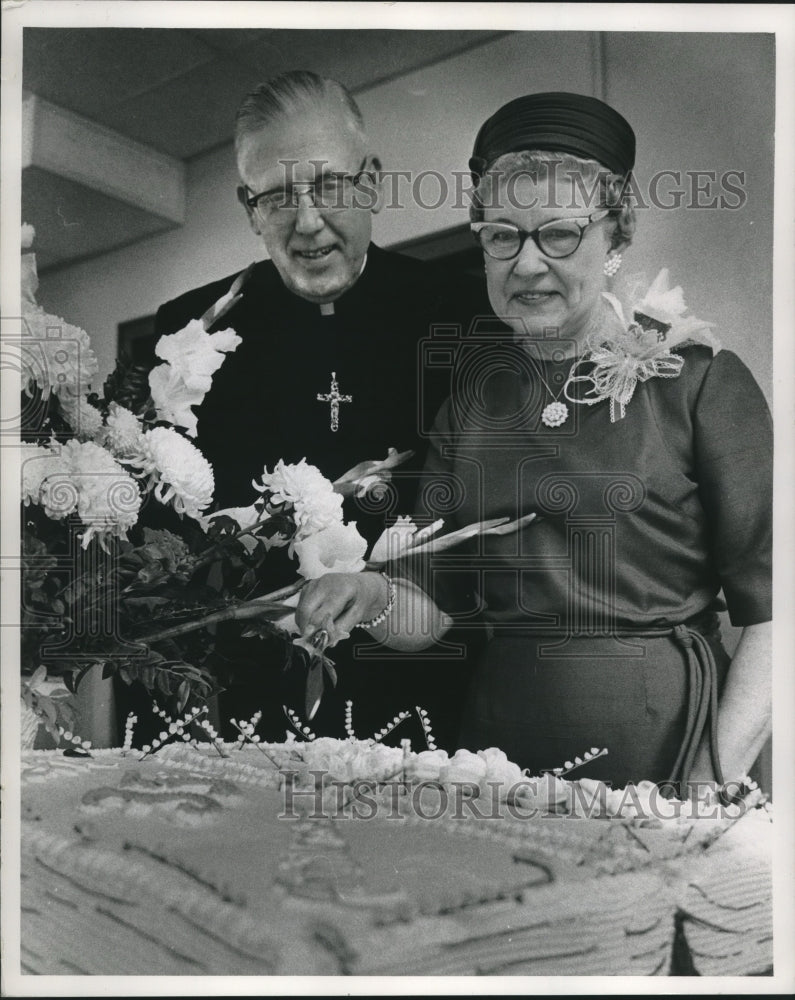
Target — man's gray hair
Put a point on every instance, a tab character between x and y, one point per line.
289	94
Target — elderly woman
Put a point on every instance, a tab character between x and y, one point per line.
646	455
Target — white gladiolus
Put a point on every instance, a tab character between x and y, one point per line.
193	356
174	401
339	548
400	537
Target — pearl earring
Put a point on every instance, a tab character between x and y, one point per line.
612	264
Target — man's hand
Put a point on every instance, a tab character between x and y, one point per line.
337	602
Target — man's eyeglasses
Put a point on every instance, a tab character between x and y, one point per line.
558	238
332	192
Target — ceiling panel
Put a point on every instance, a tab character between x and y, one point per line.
88	69
355	58
229	39
176	91
188	115
73	222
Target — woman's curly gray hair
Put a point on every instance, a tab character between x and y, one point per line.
609	190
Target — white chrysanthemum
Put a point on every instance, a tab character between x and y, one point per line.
193	357
84	419
122	432
81	477
109	498
181	475
56	355
37	463
305	488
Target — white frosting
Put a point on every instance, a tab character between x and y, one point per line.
609	909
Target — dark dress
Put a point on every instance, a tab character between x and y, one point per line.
263	406
641	523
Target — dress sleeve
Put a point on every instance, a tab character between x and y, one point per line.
733	443
453	588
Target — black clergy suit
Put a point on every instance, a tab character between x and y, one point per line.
263	406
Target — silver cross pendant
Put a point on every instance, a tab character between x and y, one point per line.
333	398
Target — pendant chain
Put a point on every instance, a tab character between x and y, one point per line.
555	413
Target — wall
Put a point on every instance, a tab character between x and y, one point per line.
696	102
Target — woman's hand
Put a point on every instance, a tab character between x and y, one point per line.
745	710
337	602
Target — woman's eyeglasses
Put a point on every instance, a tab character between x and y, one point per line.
333	192
558	238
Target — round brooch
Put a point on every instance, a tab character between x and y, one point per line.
555	414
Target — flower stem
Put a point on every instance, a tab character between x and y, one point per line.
251	609
211	554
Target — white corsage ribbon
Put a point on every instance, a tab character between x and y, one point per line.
616	373
639	349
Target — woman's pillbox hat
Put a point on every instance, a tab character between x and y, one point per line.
568	123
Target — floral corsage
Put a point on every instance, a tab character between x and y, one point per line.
639	350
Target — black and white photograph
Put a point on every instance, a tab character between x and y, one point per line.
396	560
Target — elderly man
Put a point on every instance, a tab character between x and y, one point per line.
330	318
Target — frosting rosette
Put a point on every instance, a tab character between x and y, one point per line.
428	764
351	759
499	768
464	766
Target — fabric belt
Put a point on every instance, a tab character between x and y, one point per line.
702	702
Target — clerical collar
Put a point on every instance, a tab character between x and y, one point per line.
327	308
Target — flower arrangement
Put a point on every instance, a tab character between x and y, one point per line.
93	571
103	582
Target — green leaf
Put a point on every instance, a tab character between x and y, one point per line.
151	574
314	688
183	693
149	602
39	674
328	665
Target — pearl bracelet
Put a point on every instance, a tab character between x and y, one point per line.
387	610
